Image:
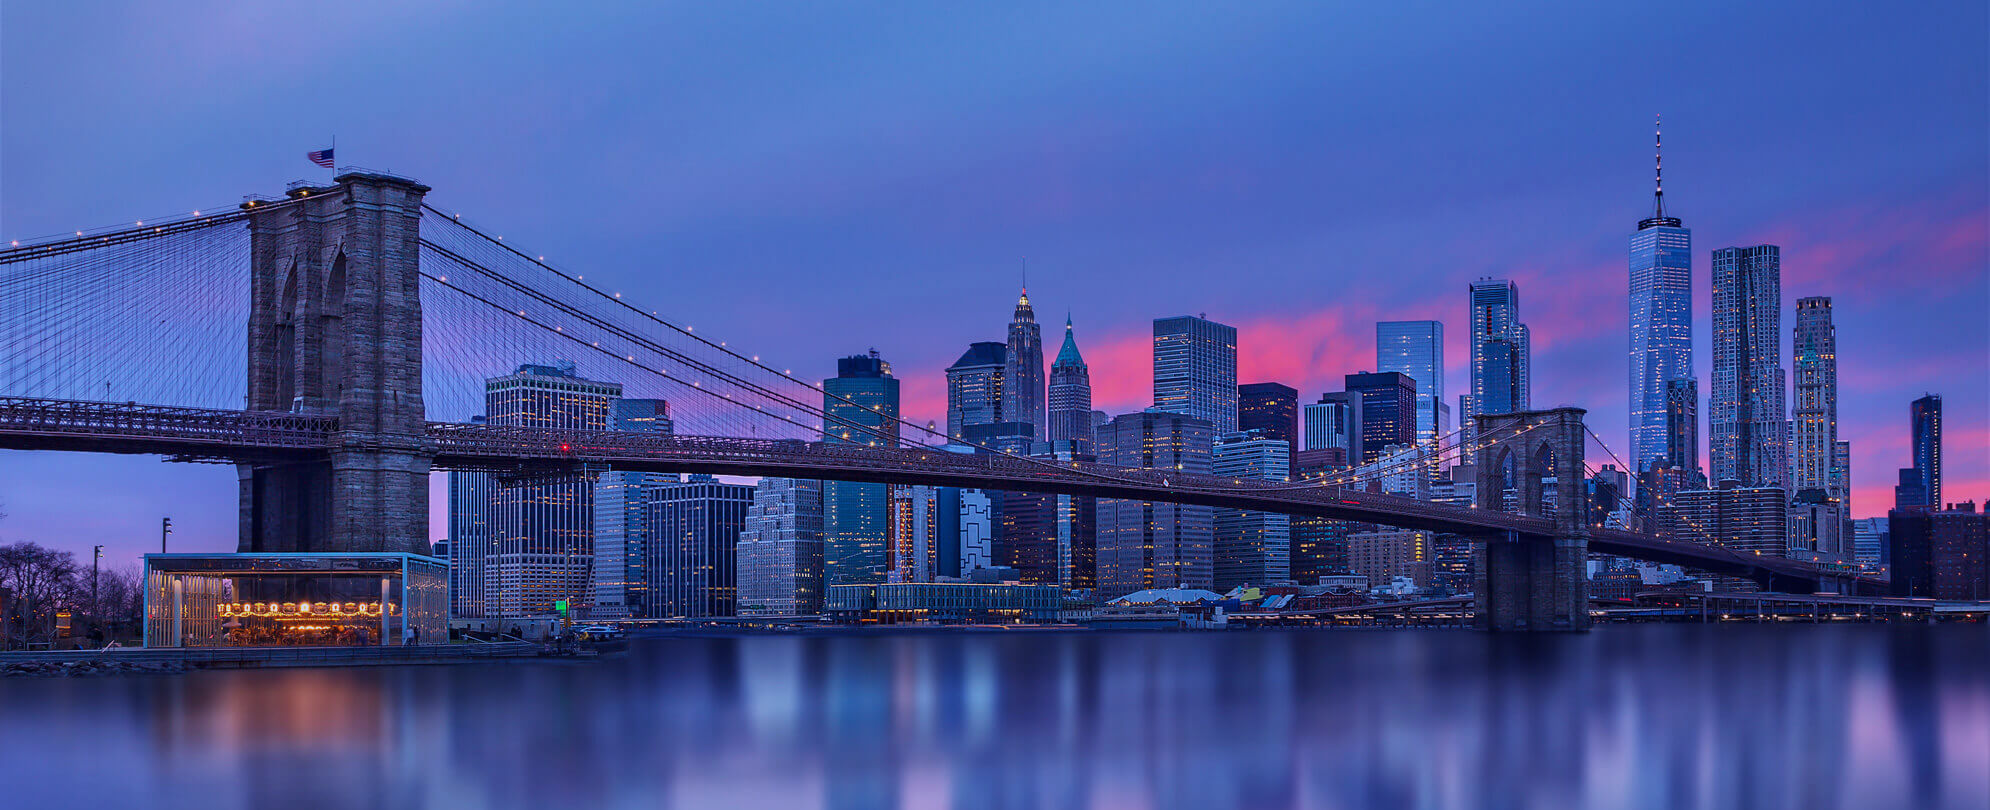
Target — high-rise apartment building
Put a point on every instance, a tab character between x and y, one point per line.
1070	396
1748	411
779	556
1416	348
1815	425
1501	351
1195	370
1252	548
694	530
1746	519
1388	403
1148	544
1022	390
1384	555
861	403
1921	484
1661	324
975	387
1271	409
542	533
621	526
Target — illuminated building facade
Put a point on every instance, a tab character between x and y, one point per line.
694	530
1195	370
1070	396
1416	349
542	534
621	529
1251	548
1748	410
779	556
861	403
1145	544
1661	323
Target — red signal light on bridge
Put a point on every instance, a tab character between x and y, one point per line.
566	447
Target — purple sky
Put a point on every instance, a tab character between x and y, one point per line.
813	181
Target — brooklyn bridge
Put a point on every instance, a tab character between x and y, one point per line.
331	342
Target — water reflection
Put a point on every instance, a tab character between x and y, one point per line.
1626	717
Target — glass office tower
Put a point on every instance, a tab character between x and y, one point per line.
1416	348
1195	370
1661	325
861	403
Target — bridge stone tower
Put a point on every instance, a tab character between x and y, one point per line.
1534	584
335	328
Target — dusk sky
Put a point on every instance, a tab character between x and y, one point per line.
812	181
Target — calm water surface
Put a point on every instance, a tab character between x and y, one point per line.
1625	717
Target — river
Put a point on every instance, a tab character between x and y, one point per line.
1644	716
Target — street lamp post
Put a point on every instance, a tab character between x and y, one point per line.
165	528
96	582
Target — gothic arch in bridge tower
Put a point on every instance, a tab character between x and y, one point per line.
335	330
1534	583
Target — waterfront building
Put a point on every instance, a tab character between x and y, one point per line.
542	533
1383	555
954	602
694	528
1195	370
1388	402
977	530
1746	519
1148	544
621	526
1416	349
469	539
861	404
1748	411
1921	485
1070	395
975	387
1271	409
917	529
1819	527
1022	388
1049	538
779	556
1661	323
1501	348
1940	553
1869	537
1335	423
1251	548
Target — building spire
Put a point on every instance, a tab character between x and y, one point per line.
1658	217
1658	170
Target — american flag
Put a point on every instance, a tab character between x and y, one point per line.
322	157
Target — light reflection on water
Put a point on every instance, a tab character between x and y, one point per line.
1625	717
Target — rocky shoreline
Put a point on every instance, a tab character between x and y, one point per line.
87	668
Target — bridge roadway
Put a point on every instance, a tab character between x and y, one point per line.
195	434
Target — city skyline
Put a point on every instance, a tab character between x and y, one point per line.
1879	235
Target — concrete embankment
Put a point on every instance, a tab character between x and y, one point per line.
120	661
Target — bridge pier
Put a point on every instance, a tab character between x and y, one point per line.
335	329
1523	583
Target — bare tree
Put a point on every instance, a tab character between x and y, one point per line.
41	581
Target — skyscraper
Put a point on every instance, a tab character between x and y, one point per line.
1500	348
469	539
1748	412
1661	323
1335	422
1022	390
1195	370
621	529
1741	518
694	528
975	387
1682	425
1416	348
1070	395
1145	544
1271	409
542	534
1815	350
861	404
1388	405
1926	417
1251	548
779	556
918	532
